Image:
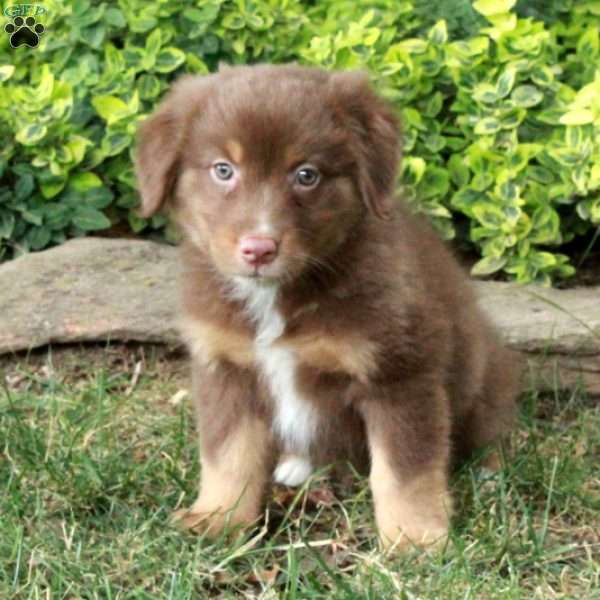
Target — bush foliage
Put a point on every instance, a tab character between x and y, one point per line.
500	104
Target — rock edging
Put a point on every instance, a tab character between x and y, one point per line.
96	289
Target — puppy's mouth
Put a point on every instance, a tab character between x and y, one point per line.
283	269
262	272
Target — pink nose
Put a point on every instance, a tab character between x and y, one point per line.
258	251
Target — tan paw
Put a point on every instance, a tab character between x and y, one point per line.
202	520
415	514
418	535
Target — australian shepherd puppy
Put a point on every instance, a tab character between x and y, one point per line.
323	319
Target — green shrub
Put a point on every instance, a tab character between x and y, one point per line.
501	111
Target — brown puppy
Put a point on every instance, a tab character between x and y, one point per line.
324	320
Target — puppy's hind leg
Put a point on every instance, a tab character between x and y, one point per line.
492	415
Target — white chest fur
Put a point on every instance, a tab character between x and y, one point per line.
295	419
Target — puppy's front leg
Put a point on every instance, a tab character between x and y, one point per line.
408	434
235	451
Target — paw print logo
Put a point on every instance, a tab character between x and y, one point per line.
24	32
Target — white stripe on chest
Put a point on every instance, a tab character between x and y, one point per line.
295	419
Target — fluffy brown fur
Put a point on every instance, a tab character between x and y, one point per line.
385	351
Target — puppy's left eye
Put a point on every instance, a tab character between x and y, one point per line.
307	176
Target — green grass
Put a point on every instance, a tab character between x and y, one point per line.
91	467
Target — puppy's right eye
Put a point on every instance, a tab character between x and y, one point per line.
222	171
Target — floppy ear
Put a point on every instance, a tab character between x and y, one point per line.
377	134
159	142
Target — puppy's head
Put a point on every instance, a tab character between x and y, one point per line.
269	168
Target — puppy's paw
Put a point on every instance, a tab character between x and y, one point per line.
203	519
414	515
417	535
293	470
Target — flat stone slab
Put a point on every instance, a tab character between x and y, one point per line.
557	330
96	289
89	289
537	319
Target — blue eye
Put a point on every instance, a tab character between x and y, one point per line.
222	170
307	176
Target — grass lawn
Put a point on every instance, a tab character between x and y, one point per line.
97	448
